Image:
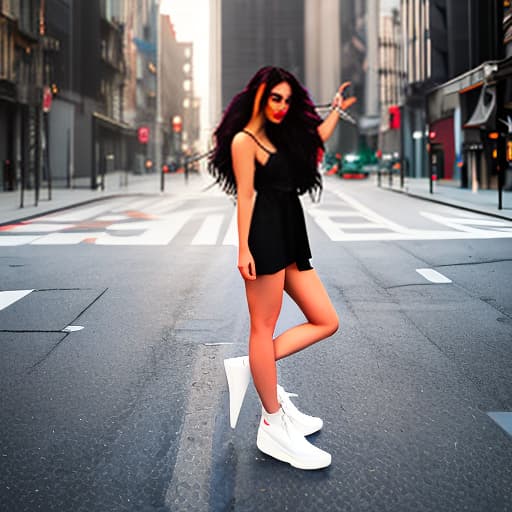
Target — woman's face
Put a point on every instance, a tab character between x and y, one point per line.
278	102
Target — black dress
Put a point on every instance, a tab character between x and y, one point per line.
277	235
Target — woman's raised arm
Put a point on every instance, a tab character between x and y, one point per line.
327	127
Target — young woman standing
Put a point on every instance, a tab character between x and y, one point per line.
267	149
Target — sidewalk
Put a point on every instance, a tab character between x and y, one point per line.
10	211
483	201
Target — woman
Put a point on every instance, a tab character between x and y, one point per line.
267	149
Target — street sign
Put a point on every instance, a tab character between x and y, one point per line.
143	134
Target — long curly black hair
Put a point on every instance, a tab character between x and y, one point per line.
296	135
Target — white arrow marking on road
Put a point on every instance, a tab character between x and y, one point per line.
209	230
11	296
433	276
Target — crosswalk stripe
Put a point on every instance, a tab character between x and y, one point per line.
11	296
209	230
231	237
159	232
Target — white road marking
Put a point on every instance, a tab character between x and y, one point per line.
209	230
11	296
38	227
433	276
111	218
352	222
79	214
11	241
72	328
156	232
231	237
66	238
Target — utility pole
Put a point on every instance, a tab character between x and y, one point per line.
158	131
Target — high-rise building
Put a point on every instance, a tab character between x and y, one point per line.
256	34
391	79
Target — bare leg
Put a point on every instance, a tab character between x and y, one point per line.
306	289
264	297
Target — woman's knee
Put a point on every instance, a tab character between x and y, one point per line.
331	323
264	325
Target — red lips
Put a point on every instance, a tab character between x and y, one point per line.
280	115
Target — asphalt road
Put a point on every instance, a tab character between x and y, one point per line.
129	413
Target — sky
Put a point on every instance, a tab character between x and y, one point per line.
191	22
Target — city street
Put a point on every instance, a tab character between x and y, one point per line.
115	318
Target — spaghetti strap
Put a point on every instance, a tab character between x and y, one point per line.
253	137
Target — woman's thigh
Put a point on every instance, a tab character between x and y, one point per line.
264	298
308	292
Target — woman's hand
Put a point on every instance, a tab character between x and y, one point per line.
246	265
340	100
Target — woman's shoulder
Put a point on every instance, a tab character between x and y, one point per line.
242	141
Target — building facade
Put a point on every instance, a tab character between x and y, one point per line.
257	34
453	54
21	80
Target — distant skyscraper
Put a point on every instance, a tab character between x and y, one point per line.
256	34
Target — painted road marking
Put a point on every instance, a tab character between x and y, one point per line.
154	232
209	230
157	221
231	237
66	238
433	276
72	328
11	296
503	419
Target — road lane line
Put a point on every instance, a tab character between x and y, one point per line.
209	230
11	296
433	276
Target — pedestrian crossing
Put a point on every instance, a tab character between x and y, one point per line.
159	221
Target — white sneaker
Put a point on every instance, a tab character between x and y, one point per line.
238	373
279	438
304	423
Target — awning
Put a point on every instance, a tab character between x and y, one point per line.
112	124
145	46
484	109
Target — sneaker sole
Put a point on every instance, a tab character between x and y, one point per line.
268	446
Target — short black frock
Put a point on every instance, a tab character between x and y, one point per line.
277	235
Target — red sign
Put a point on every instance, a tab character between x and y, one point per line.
47	99
394	117
143	134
